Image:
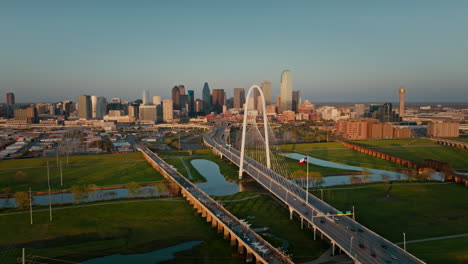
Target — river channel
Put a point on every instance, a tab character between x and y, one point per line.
375	176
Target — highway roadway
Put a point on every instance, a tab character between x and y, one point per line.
241	229
360	243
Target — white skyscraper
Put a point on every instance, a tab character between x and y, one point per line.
145	97
286	91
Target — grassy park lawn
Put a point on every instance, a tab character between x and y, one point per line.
420	150
106	169
295	167
263	211
78	234
439	251
419	210
352	157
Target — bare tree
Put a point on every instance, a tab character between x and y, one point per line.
80	192
22	200
132	188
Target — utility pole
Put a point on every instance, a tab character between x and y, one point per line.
30	206
23	258
50	199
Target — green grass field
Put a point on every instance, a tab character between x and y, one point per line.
82	233
336	152
420	149
454	250
419	210
106	169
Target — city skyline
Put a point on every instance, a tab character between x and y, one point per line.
348	52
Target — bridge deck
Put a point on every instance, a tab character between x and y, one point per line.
343	231
248	236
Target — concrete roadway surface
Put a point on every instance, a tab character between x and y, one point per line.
359	242
243	231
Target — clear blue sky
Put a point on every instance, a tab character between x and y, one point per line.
336	50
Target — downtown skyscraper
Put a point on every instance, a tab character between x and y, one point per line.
206	97
239	97
285	91
266	89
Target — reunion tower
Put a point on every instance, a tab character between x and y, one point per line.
402	92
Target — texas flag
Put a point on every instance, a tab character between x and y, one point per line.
303	161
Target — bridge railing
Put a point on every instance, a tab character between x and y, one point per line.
179	177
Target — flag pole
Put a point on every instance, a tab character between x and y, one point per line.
307	181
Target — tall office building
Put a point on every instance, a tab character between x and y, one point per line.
266	89
296	97
181	89
156	100
206	97
10	98
176	98
286	91
27	115
218	100
184	104
239	97
198	106
98	107
191	102
167	111
84	107
145	97
402	92
147	113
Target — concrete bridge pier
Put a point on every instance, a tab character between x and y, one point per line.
302	222
233	240
241	249
214	223
220	229
249	257
226	234
291	211
333	248
315	231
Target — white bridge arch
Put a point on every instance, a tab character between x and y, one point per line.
244	128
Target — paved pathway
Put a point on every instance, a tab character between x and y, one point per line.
189	174
432	239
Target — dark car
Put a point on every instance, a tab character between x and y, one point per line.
361	246
373	254
360	230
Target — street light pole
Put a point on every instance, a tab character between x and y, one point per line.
30	205
61	175
404	241
50	199
350	246
307	182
